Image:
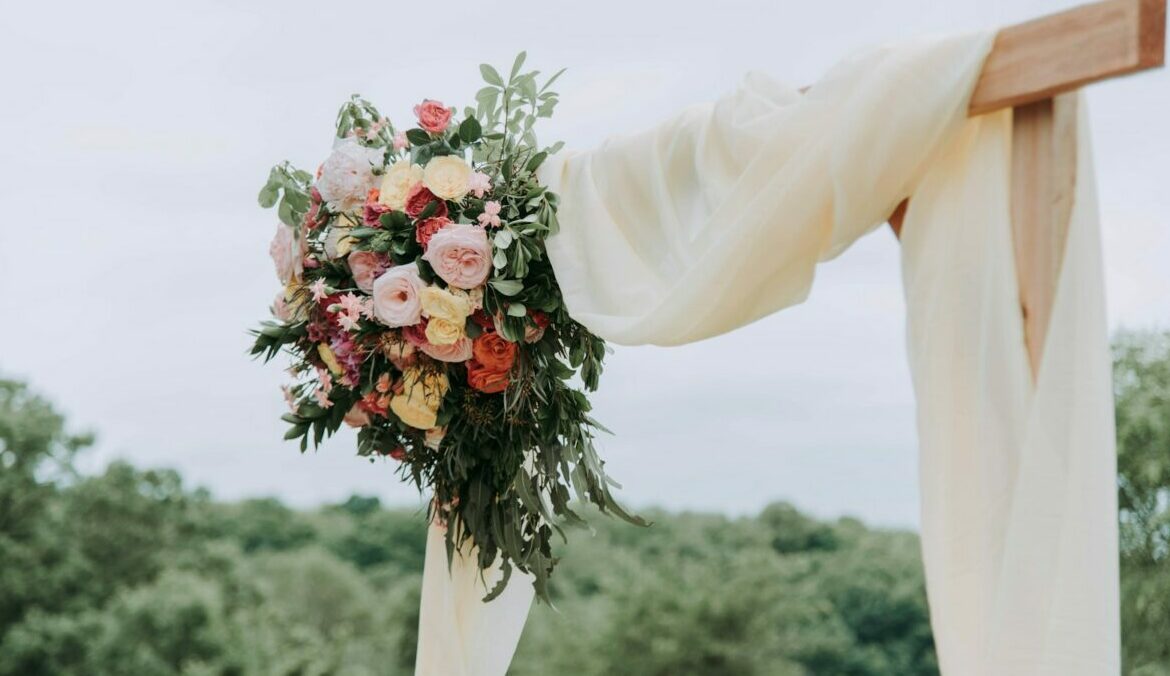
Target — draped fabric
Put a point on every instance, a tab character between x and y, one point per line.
718	217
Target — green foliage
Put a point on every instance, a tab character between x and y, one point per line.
130	573
1141	377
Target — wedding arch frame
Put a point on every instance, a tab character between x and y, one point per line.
1035	69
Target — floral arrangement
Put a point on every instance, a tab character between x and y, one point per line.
419	307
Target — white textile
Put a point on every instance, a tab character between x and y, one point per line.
719	216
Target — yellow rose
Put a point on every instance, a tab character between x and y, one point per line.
396	184
442	304
443	332
418	405
329	358
447	177
338	242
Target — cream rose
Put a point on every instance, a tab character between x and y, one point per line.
396	184
422	393
443	332
347	175
395	295
448	177
338	242
442	304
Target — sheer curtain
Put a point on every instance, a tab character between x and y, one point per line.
729	207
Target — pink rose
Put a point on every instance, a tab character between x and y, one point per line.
457	352
432	116
396	301
461	255
366	266
286	254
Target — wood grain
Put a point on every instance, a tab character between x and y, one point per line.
1038	59
1043	182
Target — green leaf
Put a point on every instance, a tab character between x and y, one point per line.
500	259
517	310
490	75
517	64
503	239
508	287
268	196
470	130
536	161
417	137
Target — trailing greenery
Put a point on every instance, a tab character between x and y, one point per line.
505	459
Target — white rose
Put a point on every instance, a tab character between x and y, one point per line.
448	177
396	184
347	175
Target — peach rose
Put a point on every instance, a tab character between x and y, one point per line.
366	266
457	352
396	301
448	177
356	417
425	230
484	379
494	352
461	255
432	116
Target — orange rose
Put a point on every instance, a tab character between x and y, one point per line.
481	378
494	352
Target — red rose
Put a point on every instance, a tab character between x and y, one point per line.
485	380
419	198
539	318
423	230
485	322
433	116
494	352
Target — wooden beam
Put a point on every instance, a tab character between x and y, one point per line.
1043	182
1036	60
1058	53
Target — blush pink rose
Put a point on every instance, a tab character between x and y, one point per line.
366	266
457	352
286	254
395	293
461	255
432	116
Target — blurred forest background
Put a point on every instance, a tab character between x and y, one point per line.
132	573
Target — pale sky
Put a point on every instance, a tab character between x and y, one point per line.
133	255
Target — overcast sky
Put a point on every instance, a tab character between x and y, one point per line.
133	256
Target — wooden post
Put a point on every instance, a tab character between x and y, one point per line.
1036	67
1043	182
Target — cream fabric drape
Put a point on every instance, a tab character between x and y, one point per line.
718	217
459	634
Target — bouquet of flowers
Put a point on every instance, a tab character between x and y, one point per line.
419	307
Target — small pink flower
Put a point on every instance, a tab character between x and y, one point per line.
383	384
490	215
322	398
400	141
324	379
280	308
479	183
433	116
319	289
